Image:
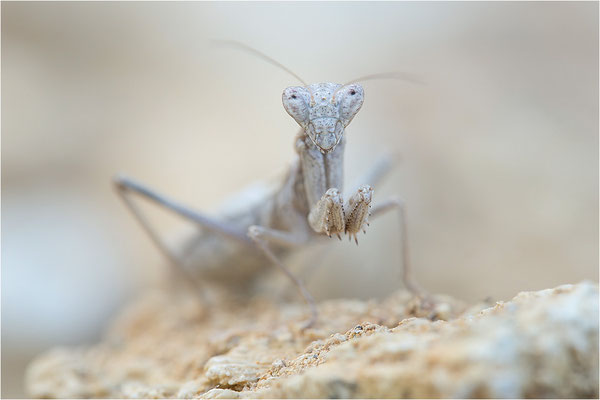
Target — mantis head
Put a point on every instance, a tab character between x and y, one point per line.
323	110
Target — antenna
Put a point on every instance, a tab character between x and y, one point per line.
253	51
402	76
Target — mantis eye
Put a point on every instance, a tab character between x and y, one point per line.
295	101
350	100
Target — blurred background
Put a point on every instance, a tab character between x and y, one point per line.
499	149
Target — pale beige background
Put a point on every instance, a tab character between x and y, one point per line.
499	148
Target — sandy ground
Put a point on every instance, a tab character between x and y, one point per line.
539	344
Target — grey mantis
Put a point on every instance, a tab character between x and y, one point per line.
237	247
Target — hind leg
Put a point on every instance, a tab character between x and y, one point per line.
126	187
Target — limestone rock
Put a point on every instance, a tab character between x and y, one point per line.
539	344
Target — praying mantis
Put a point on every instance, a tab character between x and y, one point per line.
240	245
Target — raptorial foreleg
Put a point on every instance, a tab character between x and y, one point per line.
357	211
327	216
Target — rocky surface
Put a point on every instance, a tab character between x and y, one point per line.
539	344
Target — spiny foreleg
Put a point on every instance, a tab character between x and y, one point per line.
327	216
357	211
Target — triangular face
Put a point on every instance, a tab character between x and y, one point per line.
323	110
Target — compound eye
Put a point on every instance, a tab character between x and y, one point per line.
351	99
296	102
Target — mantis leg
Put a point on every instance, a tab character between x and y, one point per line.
264	236
407	271
374	174
377	172
357	207
127	186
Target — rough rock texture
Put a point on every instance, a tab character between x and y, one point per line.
539	344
